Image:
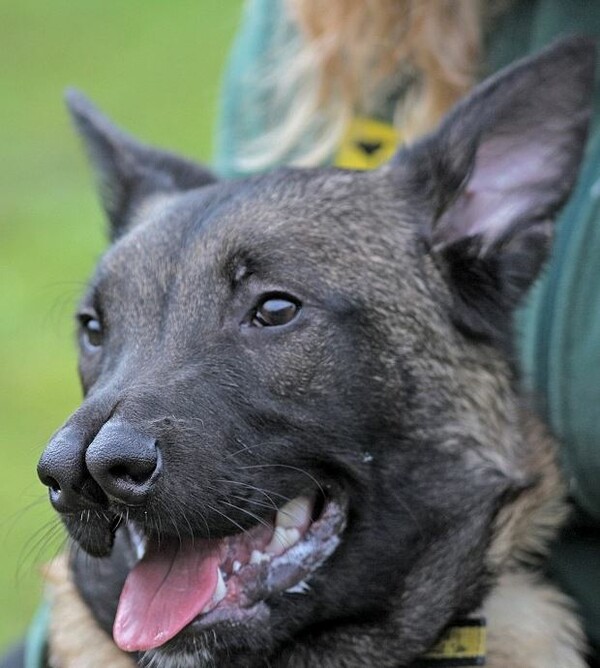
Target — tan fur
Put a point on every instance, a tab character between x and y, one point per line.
531	625
76	641
525	527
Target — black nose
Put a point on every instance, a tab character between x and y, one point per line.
62	469
124	462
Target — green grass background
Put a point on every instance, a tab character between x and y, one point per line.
154	67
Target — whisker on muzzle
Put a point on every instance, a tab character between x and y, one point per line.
265	492
39	543
260	520
291	468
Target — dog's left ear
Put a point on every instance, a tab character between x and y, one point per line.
496	173
128	172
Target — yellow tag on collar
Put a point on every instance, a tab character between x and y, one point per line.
367	144
463	644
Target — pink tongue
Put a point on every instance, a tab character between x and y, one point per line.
163	593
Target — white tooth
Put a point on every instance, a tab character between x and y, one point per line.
258	557
139	541
292	536
282	540
277	544
236	566
221	588
295	513
301	587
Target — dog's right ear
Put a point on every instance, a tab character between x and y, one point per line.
494	176
127	171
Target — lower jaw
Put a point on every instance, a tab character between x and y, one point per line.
243	623
226	619
216	634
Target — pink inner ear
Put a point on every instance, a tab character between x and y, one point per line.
514	178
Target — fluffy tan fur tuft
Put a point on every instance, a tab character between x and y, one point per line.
76	640
531	625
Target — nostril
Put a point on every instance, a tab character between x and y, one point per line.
56	497
53	484
119	471
129	478
137	472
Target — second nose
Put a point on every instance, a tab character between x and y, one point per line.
124	462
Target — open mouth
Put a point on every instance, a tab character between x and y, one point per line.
204	582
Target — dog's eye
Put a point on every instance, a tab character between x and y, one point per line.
91	329
274	311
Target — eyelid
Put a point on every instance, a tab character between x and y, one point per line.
277	294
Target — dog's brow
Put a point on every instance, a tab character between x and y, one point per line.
240	272
238	268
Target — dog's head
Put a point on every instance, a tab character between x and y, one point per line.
299	417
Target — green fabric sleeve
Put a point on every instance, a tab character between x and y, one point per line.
245	110
560	349
560	335
558	329
37	636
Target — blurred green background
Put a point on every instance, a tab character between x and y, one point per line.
154	67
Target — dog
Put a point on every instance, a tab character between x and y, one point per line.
303	440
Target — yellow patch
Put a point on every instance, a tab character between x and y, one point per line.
463	644
367	144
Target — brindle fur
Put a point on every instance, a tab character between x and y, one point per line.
395	385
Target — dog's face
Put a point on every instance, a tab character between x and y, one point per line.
298	418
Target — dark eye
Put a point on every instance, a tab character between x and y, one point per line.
275	311
92	333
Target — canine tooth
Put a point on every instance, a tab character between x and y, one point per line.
292	536
139	541
140	550
258	557
221	589
301	587
295	514
236	566
219	593
282	540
